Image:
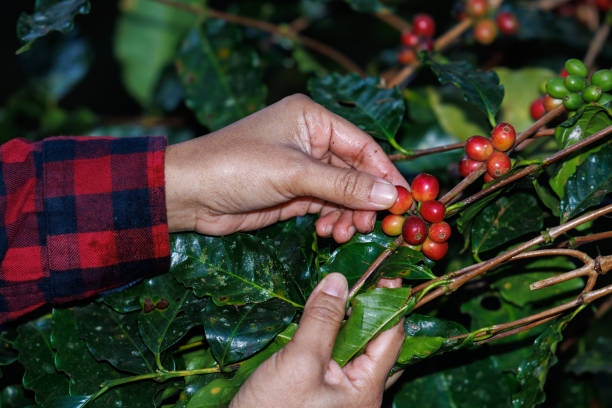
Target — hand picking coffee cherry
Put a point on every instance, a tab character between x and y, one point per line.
439	232
414	230
478	148
433	211
403	202
392	225
503	137
425	187
498	164
434	250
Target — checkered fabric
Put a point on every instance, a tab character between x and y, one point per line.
80	215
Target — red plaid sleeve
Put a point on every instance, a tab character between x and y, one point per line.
80	215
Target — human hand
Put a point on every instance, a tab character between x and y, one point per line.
289	159
303	374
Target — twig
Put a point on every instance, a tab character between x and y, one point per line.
547	4
577	241
393	20
596	45
286	31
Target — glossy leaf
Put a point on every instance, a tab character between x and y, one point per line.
586	122
50	15
144	26
8	353
194	360
504	220
479	87
237	332
371	313
13	396
363	101
469	214
406	263
547	198
114	337
594	354
36	355
235	269
221	391
78	401
589	185
221	77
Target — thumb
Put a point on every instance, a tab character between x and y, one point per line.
323	315
347	186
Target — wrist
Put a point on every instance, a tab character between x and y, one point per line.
180	215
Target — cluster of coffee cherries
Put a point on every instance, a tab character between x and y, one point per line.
486	28
423	229
420	38
573	89
479	149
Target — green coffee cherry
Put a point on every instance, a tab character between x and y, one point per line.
603	79
574	66
556	88
572	101
591	93
605	99
574	83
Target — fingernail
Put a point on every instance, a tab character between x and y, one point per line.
352	230
335	285
383	193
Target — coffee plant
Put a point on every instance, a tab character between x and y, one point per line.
515	312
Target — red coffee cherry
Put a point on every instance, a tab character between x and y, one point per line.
563	73
433	211
551	103
488	178
485	31
425	187
467	165
537	109
507	23
392	224
439	232
423	24
434	250
403	202
476	8
414	230
410	39
498	164
478	148
406	56
503	136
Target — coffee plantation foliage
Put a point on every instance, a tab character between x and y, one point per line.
191	337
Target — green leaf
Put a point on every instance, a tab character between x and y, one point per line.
194	360
144	26
237	332
595	350
468	215
479	88
114	337
221	391
49	15
363	101
547	198
589	185
8	353
372	312
69	402
504	220
13	396
515	288
234	269
406	263
36	355
592	119
221	77
366	6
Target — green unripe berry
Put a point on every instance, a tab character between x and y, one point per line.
543	87
576	67
575	83
556	88
572	101
591	93
603	79
605	99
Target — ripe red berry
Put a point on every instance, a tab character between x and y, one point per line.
403	202
425	187
503	136
507	23
439	232
551	103
498	164
488	178
414	230
434	250
476	8
406	56
563	73
467	165
423	24
410	39
537	109
433	211
478	148
604	5
392	224
485	31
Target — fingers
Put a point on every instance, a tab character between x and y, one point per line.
321	320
